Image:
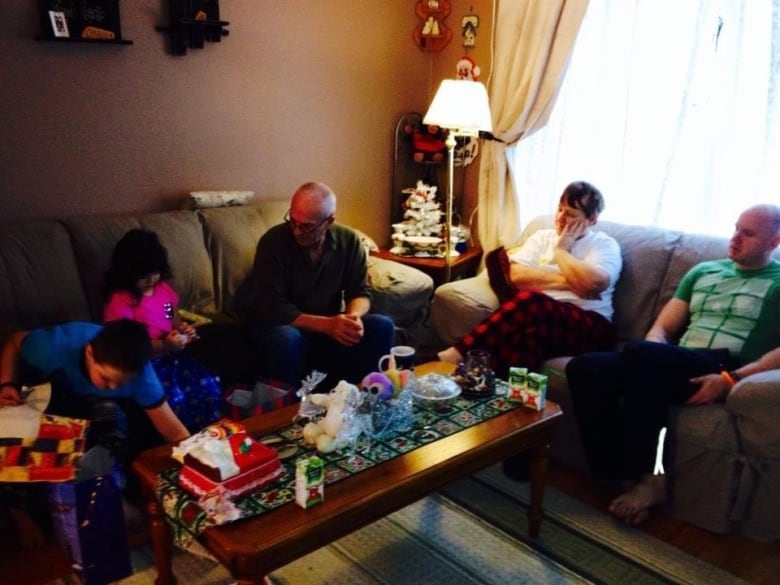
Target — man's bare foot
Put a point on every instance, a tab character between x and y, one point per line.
450	355
633	507
28	532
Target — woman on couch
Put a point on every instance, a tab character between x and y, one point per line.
555	290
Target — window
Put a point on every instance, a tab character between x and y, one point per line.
671	108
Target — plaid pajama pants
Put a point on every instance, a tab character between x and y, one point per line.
532	327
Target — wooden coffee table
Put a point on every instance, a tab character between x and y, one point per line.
253	547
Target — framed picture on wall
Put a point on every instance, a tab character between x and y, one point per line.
59	25
80	19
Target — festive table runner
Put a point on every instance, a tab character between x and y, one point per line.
188	518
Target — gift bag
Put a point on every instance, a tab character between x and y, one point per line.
90	525
193	392
265	396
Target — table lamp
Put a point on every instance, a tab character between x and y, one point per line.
461	107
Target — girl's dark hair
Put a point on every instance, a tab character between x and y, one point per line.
584	196
137	254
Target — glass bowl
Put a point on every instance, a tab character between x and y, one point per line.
435	391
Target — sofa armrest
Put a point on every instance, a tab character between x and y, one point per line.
470	299
399	291
755	402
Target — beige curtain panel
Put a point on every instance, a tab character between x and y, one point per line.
533	40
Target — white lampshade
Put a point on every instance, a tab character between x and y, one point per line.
462	106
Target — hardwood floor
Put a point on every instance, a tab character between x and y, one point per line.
40	567
750	560
19	567
753	561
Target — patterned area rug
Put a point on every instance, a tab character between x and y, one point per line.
583	539
432	542
473	532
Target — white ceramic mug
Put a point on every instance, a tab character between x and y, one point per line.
401	357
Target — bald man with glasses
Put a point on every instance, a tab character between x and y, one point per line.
306	300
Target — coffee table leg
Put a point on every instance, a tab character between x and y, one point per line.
162	543
539	462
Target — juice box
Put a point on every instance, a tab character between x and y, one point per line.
536	394
309	481
518	384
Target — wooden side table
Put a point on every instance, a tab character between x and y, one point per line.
462	266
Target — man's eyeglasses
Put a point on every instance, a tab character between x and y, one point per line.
304	228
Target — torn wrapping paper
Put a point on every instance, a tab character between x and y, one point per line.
39	447
24	420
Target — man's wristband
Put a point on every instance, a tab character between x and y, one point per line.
9	384
729	377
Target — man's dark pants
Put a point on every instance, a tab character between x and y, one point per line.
288	354
622	400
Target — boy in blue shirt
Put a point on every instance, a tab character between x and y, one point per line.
98	372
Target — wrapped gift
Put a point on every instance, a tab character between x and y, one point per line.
264	396
51	455
223	458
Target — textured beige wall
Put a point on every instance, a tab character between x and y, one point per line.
299	90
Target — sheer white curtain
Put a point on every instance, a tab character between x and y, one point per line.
671	108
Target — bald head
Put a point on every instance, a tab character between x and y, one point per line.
316	200
311	214
770	214
756	236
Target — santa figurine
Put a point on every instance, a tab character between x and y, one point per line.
468	69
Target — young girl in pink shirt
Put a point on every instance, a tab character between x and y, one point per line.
136	287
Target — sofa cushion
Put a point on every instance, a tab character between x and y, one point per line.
566	446
754	402
458	306
646	253
182	235
399	291
692	249
231	235
39	278
703	449
273	210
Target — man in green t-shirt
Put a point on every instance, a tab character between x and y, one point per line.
722	324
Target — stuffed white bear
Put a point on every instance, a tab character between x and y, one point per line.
325	433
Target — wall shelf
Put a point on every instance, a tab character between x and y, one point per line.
80	21
192	23
87	41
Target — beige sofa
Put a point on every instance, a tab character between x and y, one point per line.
725	458
52	271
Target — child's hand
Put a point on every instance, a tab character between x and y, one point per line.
9	396
188	330
175	340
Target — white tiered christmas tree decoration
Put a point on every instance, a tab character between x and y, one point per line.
420	232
